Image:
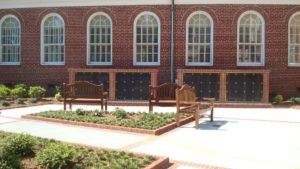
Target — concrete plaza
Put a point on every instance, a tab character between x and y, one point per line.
238	138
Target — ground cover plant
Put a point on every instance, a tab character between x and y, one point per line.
20	151
118	117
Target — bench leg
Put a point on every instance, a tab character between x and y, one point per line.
196	116
212	114
65	106
177	119
70	106
150	107
105	102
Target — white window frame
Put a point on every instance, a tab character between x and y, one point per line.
135	63
42	40
187	63
262	62
289	43
88	40
1	21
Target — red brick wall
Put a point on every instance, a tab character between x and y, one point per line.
283	79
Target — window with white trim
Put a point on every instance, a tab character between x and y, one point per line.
251	39
99	39
294	40
53	40
10	40
147	39
199	42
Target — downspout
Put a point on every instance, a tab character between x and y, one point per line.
172	42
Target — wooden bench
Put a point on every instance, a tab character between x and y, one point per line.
84	92
162	95
187	102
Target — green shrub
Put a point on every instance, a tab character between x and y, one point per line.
56	156
20	90
4	92
19	144
57	89
10	161
120	113
278	98
19	101
33	100
295	100
4	103
58	96
37	92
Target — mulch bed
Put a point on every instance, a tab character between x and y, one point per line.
158	131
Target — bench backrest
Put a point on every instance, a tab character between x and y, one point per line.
165	91
83	89
186	95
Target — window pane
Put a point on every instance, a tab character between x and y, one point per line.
199	39
10	40
147	39
100	39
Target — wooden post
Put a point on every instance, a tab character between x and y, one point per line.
112	85
223	90
180	77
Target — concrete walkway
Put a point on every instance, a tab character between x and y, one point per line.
239	138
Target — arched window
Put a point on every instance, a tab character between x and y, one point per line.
99	40
147	39
10	40
294	40
251	39
53	40
199	42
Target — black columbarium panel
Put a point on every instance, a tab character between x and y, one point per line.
94	77
244	87
206	84
132	86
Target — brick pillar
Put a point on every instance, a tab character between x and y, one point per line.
223	90
180	77
153	78
71	76
112	85
266	81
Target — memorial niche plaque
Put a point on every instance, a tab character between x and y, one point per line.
94	77
132	86
244	87
206	84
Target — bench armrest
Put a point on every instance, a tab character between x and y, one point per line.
105	95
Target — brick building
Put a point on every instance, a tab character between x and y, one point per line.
232	51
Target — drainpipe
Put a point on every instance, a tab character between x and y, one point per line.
172	42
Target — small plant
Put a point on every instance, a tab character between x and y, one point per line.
33	100
19	144
81	112
58	96
4	103
295	100
56	156
120	113
19	91
278	98
4	164
57	89
37	92
19	101
4	92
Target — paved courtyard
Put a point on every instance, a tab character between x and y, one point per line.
239	138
